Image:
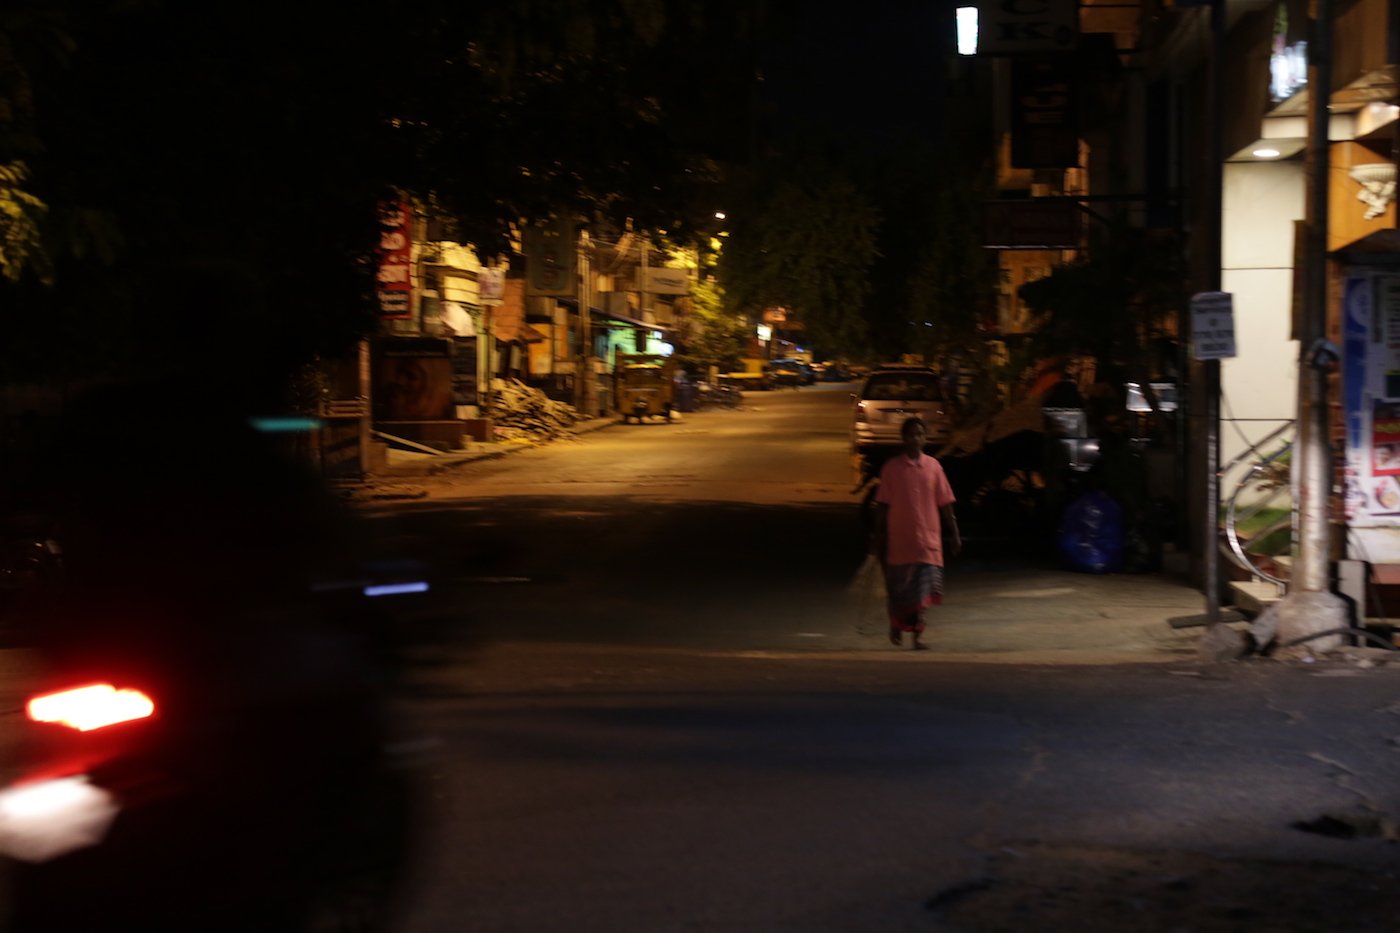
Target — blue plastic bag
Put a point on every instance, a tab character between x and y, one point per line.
1091	535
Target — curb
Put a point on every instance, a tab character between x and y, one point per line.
381	485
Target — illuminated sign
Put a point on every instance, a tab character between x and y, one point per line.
1288	64
967	30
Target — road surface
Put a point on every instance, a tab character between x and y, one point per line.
641	696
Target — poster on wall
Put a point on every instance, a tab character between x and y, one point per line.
1357	339
413	380
1371	402
1385	458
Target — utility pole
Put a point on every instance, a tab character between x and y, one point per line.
1310	607
642	295
588	390
1211	368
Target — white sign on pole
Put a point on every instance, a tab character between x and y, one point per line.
491	285
1212	325
662	280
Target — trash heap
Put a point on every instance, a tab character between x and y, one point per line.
522	413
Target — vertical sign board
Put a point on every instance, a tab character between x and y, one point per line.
1044	127
1006	27
1371	399
395	251
1212	326
491	285
551	258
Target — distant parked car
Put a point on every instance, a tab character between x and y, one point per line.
831	371
787	373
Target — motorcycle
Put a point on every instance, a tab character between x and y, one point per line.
231	779
204	739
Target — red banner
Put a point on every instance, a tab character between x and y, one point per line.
395	256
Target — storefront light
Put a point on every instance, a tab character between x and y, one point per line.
1266	153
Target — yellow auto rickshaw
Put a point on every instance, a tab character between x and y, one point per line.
645	387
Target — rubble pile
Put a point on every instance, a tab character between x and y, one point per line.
522	413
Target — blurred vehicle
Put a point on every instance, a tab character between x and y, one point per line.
204	742
716	395
887	397
30	560
787	373
752	377
831	371
645	387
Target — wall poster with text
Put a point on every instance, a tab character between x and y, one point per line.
1371	408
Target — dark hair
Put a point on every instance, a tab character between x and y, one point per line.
912	419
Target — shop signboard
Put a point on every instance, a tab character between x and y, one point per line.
1012	26
1044	126
666	281
1371	402
393	280
491	285
1031	223
551	258
1212	326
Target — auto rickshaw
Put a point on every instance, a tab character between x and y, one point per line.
645	386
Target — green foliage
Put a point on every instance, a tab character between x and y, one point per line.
804	239
717	335
212	175
21	213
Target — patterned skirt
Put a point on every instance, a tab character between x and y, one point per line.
910	589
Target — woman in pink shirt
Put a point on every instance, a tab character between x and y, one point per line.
914	509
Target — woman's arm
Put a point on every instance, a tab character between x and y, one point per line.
952	538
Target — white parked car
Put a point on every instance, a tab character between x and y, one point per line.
890	395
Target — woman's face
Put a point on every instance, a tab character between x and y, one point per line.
915	435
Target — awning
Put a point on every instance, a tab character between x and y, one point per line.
619	318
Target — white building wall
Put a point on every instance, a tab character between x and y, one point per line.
1261	201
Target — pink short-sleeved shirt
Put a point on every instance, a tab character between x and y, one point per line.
914	491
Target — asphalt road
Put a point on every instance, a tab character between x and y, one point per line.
640	696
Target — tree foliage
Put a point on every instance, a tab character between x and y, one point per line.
211	173
716	336
803	238
934	283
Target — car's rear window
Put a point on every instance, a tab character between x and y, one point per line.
904	387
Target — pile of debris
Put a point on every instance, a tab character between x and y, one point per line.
522	413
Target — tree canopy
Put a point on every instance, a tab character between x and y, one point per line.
804	240
200	182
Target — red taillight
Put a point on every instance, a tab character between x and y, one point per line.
860	412
91	707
